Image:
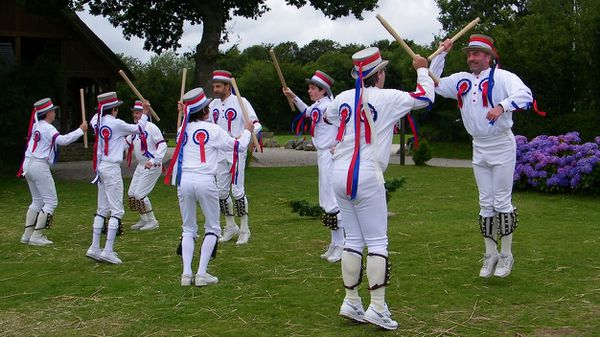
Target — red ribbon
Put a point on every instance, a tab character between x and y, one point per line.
537	111
31	121
484	93
461	91
202	137
367	128
235	162
105	136
36	139
342	128
130	151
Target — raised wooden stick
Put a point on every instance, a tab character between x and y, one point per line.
137	93
181	96
403	44
281	79
83	118
456	37
244	110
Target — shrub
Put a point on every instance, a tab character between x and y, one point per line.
421	154
558	164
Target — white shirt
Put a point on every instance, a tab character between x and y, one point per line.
324	131
508	90
116	130
387	107
45	138
216	140
157	146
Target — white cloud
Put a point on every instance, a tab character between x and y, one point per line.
413	19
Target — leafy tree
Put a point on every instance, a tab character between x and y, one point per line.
454	14
160	23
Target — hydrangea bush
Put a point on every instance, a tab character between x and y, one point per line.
558	164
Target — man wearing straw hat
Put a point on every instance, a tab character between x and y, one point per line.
194	168
323	136
149	148
227	113
42	149
109	146
360	159
487	97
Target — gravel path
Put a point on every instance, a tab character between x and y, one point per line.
271	157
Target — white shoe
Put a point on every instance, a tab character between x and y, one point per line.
328	252
93	253
354	312
336	255
381	319
505	264
138	225
229	233
110	257
186	280
153	224
39	240
489	264
204	280
243	237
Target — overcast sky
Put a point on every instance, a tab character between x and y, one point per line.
413	19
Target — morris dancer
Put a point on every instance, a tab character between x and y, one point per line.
42	150
149	151
194	169
358	166
487	97
323	135
108	155
227	113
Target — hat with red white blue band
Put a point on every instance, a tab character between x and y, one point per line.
43	106
195	100
222	76
322	80
108	100
480	42
137	106
369	60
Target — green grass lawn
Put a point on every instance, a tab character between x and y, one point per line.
278	286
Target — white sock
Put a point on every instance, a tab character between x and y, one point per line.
491	247
244	223
97	231
187	253
208	245
506	247
110	239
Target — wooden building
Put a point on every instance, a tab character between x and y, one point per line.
85	61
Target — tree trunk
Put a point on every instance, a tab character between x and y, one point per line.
208	48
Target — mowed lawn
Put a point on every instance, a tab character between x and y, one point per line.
278	286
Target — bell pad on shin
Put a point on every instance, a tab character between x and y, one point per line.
388	271
49	220
487	228
508	222
330	220
360	275
224	208
240	206
132	202
213	254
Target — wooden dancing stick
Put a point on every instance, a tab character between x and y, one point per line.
137	93
83	119
181	96
281	79
244	110
456	37
403	44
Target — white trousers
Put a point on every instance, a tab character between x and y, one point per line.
365	217
224	177
327	198
110	190
143	181
494	161
198	188
41	185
